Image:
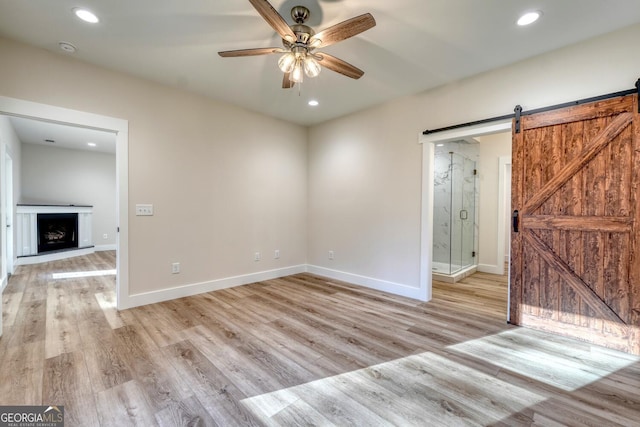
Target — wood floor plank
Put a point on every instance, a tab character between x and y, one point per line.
203	376
62	335
298	350
66	382
187	413
105	364
154	376
124	405
10	305
30	324
107	302
21	370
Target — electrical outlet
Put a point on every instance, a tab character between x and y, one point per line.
276	254
175	268
330	254
256	256
105	236
144	210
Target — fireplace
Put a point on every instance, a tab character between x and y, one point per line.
40	239
57	231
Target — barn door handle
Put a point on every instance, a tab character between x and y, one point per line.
516	221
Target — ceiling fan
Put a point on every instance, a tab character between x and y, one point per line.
300	42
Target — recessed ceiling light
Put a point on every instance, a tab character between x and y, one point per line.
529	18
91	144
313	103
67	47
86	15
439	145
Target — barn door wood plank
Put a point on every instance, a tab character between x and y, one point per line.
515	280
605	108
571	194
594	176
592	150
580	287
582	223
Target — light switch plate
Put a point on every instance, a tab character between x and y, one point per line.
144	210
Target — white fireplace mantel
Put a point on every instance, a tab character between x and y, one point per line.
27	227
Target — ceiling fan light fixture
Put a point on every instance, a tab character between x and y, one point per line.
311	67
287	62
297	75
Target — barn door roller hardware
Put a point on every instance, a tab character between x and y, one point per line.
519	112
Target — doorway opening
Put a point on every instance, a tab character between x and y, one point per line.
119	128
489	258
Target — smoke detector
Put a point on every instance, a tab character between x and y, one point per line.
67	47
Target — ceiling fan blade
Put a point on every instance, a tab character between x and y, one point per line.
287	83
274	19
249	52
339	66
343	30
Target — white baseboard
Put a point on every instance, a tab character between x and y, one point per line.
213	285
369	282
99	248
491	269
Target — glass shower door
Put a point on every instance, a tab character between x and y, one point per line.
462	212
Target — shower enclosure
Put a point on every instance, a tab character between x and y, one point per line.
454	219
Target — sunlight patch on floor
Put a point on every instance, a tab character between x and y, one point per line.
554	360
423	389
75	274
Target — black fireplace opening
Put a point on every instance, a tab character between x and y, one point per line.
57	231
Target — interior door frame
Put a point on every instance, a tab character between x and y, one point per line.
428	158
7	198
119	127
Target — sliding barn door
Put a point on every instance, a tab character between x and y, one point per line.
575	262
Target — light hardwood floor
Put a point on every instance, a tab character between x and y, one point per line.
301	350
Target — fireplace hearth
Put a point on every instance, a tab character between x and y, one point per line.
57	231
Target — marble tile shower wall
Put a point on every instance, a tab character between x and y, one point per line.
450	191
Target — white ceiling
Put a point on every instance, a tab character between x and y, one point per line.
416	45
31	131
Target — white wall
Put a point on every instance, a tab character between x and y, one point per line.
364	199
365	169
492	147
53	175
224	182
